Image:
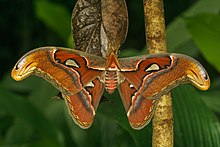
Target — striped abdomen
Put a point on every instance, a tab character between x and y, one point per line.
110	81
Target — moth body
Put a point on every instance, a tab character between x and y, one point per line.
110	81
111	73
82	78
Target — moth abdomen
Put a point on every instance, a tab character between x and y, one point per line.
110	81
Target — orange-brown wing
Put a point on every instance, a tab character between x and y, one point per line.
139	109
76	74
144	79
82	105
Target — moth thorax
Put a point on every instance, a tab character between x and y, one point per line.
110	81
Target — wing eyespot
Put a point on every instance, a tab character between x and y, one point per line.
206	77
16	67
90	84
72	63
152	67
131	86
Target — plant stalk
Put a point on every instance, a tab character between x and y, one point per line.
156	43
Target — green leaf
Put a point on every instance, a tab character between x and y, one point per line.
177	35
140	137
21	108
54	16
205	31
132	52
195	123
13	133
70	41
212	96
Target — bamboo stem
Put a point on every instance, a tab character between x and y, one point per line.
156	43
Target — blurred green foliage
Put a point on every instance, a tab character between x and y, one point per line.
29	116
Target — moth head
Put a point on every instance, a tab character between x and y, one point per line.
24	67
197	75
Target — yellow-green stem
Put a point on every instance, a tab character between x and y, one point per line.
156	43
